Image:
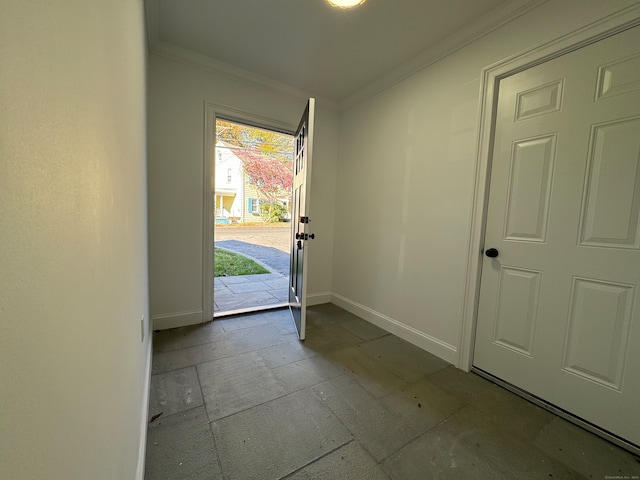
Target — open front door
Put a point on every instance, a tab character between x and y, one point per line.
299	217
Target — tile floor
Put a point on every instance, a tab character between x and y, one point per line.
242	398
249	291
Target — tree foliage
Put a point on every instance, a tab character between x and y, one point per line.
273	212
266	157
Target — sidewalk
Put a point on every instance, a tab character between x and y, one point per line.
250	291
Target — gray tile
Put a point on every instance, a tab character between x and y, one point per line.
586	453
428	397
469	387
306	373
348	462
181	446
174	359
363	329
255	338
263	277
277	438
233	384
174	392
382	427
234	280
327	338
281	295
281	319
377	381
402	358
513	413
249	287
500	448
440	456
284	353
229	303
244	321
280	284
319	315
177	338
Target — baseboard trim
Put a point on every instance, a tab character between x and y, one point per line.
144	417
318	298
426	342
174	320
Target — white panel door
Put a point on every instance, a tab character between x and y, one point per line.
300	218
558	314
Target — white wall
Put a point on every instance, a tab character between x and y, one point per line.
177	95
406	171
73	256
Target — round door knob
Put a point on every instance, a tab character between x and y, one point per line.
491	253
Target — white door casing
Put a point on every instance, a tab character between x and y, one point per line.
214	111
558	314
300	235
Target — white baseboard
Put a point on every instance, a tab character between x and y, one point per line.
174	320
426	342
144	420
318	298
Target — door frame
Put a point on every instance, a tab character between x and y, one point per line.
584	35
213	111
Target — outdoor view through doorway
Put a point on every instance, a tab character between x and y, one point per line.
252	232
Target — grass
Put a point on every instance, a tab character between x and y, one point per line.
227	264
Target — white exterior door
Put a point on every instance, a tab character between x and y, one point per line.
559	312
299	217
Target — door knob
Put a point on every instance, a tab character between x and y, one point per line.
491	253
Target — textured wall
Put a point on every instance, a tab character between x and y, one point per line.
73	256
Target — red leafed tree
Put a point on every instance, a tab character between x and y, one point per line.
270	175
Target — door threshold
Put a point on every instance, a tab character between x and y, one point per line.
243	311
590	427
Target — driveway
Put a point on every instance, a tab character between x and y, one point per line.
270	247
276	237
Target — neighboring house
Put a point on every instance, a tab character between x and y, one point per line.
237	200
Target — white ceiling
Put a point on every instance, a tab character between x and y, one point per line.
326	52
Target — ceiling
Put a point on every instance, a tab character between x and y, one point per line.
306	44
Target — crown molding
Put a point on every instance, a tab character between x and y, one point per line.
216	67
482	26
470	33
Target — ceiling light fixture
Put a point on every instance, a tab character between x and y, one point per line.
345	3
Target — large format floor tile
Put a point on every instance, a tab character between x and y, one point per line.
381	427
277	438
174	392
348	462
243	398
181	446
233	384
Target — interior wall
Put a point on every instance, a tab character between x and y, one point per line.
176	111
73	263
405	184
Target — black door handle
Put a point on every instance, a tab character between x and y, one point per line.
491	253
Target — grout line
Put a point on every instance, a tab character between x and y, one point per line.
288	475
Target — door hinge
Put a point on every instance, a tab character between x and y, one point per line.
303	219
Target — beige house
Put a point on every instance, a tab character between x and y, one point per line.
237	200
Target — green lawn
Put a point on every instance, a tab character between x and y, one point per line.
227	264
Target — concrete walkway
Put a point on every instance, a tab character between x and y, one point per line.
251	291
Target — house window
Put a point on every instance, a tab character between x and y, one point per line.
228	175
254	205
